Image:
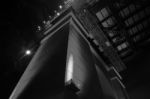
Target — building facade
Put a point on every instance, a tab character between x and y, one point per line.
84	49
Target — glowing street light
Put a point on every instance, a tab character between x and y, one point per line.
58	13
60	6
28	52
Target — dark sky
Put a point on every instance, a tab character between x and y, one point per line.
18	22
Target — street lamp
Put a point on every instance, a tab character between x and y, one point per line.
60	6
28	52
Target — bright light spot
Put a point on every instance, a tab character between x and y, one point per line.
58	13
28	52
60	7
69	70
39	28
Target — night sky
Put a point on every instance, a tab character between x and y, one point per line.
18	24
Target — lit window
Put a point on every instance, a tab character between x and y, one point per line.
107	43
69	69
122	46
119	48
105	24
111	34
114	40
105	12
99	16
110	21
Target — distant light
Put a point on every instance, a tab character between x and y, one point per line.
28	52
58	13
39	28
60	7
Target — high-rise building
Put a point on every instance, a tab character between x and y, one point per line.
84	49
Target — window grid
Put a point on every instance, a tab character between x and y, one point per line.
118	39
110	22
122	46
103	13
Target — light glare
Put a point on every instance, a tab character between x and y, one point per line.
28	52
60	6
58	14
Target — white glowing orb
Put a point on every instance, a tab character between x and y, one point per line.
60	7
69	70
28	52
58	13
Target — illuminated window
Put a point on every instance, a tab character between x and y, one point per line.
107	43
114	40
122	46
102	14
109	22
69	69
99	16
105	24
105	12
111	33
